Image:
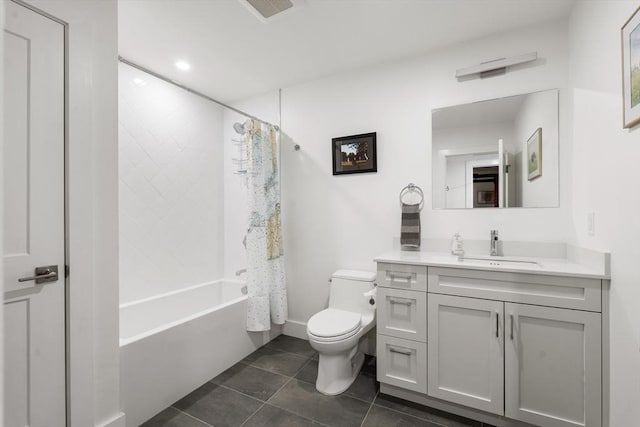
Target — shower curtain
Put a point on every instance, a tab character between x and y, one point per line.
267	292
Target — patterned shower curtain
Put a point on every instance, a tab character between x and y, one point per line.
267	291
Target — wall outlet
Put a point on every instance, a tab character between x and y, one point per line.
591	223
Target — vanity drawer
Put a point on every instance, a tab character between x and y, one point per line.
402	314
401	276
553	291
402	363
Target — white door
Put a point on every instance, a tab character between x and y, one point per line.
33	226
552	366
465	351
509	181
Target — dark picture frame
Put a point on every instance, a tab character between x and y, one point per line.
354	154
630	34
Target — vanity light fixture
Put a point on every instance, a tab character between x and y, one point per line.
182	65
495	66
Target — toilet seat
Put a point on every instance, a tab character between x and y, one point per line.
333	325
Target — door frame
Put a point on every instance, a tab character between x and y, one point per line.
65	149
91	209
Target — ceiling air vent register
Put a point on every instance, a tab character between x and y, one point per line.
268	8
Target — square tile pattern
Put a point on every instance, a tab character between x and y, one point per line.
275	386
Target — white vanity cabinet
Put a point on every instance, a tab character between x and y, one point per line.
506	348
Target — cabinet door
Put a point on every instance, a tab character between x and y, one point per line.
552	366
465	351
402	314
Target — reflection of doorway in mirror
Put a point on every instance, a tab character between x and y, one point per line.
482	177
485	187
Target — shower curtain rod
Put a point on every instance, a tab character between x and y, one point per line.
193	91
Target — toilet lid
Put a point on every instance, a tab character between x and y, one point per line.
333	323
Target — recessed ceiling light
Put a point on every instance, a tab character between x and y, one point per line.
182	65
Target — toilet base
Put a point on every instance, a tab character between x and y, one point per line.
336	372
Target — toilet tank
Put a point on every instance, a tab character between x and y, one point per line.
347	289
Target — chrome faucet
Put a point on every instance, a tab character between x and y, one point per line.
494	242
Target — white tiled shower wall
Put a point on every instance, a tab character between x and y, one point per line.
171	187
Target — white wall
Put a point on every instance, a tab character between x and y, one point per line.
171	187
605	181
345	221
535	113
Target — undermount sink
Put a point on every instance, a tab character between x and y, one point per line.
499	262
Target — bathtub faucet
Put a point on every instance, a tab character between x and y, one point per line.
242	270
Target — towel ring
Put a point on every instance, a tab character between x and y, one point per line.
412	188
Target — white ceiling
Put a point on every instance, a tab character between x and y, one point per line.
234	55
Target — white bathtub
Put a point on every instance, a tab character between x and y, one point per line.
173	343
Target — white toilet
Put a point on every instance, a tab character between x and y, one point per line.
336	331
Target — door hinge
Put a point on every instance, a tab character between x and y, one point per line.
66	271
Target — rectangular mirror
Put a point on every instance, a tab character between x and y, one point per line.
500	153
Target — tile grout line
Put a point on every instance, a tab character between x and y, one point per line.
285	351
256	367
290	379
191	416
276	392
370	407
412	416
239	392
254	412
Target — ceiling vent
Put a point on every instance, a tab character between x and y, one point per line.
269	8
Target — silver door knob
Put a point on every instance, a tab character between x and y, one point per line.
43	274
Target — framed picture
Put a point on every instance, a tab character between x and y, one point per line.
631	70
534	155
354	154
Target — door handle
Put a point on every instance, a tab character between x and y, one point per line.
497	325
511	318
399	277
399	351
45	274
400	301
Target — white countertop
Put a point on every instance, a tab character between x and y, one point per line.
544	266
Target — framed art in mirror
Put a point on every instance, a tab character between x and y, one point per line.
534	155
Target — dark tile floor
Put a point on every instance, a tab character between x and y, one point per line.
275	386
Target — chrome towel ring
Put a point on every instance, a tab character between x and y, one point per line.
412	188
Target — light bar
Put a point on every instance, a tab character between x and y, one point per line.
496	66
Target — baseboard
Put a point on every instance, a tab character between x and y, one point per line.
296	329
117	421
